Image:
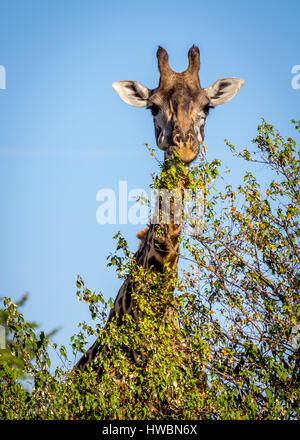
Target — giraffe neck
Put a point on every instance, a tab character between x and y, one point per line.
159	249
158	253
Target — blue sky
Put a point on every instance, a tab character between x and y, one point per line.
65	134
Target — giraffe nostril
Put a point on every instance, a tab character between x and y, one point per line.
184	139
176	139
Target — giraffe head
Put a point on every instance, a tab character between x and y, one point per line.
179	104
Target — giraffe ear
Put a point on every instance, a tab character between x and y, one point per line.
132	92
223	90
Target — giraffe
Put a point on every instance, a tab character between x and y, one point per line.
179	106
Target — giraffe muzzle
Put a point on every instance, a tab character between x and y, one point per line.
186	145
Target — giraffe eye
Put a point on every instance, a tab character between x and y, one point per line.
206	109
154	109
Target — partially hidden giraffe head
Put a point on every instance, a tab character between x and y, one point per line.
179	104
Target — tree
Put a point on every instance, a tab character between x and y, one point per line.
247	285
222	345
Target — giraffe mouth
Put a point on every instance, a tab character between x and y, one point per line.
186	154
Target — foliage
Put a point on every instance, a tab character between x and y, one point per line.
214	342
245	281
